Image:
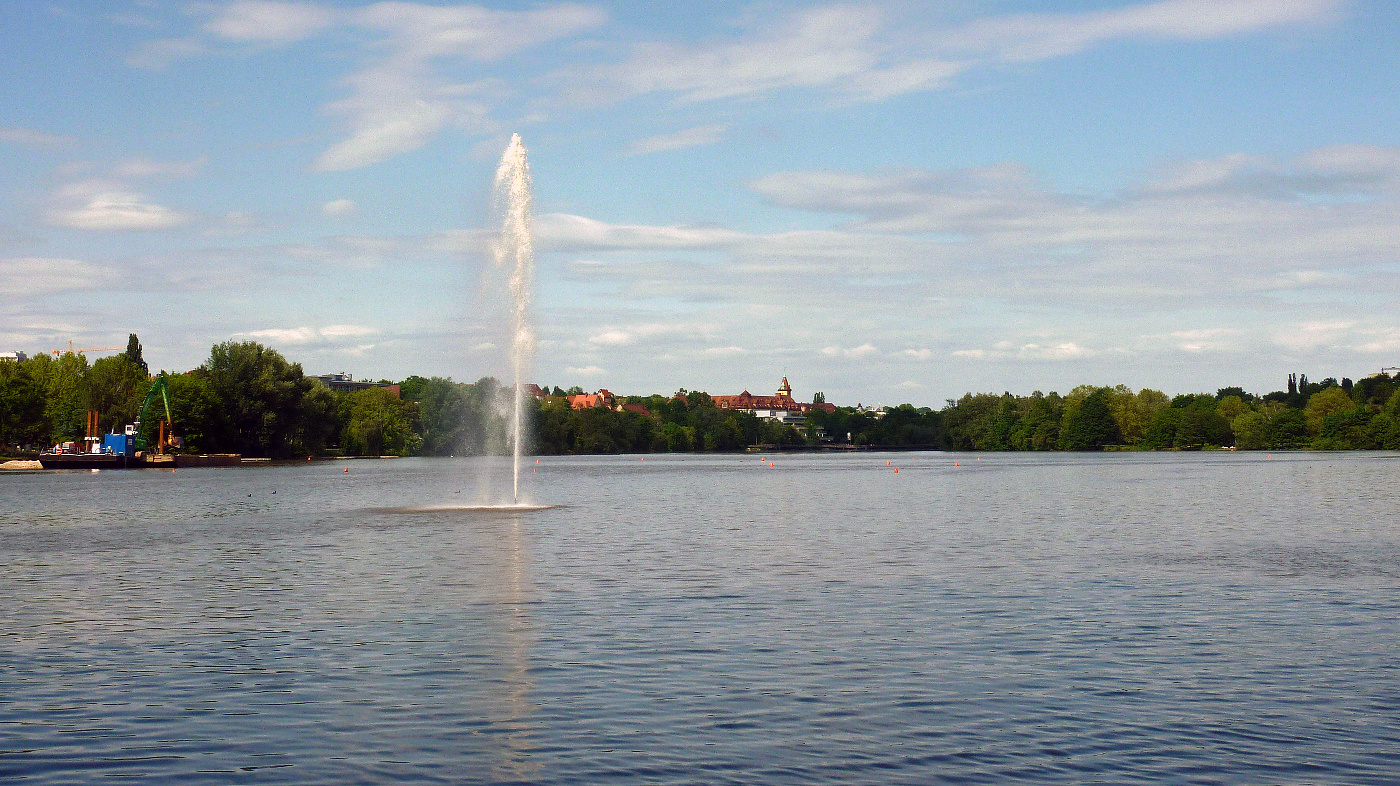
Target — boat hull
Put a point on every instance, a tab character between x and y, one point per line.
210	460
83	461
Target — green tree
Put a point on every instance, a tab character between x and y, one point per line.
378	423
1348	430
1039	428
133	354
1231	407
197	412
1134	412
65	393
114	387
1250	430
446	414
1288	429
1201	426
1161	432
411	389
270	405
1089	426
1329	401
22	420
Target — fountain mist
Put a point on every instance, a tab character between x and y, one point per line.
515	247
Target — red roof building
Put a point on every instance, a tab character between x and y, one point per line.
600	400
783	401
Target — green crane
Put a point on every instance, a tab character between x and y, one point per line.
160	385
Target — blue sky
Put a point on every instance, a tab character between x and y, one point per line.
886	202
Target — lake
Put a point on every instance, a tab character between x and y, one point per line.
1060	618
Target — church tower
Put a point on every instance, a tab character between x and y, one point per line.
785	390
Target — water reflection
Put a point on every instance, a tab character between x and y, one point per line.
1139	618
516	632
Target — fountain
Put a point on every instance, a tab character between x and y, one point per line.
511	198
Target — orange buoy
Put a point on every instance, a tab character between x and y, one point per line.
770	463
347	469
887	463
896	470
955	463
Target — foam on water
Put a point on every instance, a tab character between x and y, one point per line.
512	507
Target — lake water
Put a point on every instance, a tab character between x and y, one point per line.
1202	618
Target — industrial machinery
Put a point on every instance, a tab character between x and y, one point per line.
80	350
165	438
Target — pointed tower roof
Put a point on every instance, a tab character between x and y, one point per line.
785	389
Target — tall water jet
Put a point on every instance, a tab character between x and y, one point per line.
511	199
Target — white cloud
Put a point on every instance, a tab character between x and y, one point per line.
844	49
678	140
1312	335
917	354
864	53
17	135
561	231
724	352
108	205
329	334
585	371
383	130
333	332
338	207
301	335
1065	350
612	338
1027	37
145	167
271	22
864	350
24	277
155	55
1162	240
400	97
399	100
1202	339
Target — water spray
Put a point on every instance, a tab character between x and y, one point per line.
511	197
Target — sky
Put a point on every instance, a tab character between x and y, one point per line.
887	202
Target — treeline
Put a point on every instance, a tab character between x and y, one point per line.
247	398
1326	415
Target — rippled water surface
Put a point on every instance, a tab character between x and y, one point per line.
1201	618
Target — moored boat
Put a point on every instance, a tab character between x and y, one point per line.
83	461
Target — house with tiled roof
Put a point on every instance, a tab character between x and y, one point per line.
781	407
600	400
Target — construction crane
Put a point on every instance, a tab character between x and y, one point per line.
71	351
164	438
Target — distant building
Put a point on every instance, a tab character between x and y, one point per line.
782	407
600	400
16	356
536	392
344	383
637	408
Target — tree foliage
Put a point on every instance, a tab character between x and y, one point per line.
247	398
